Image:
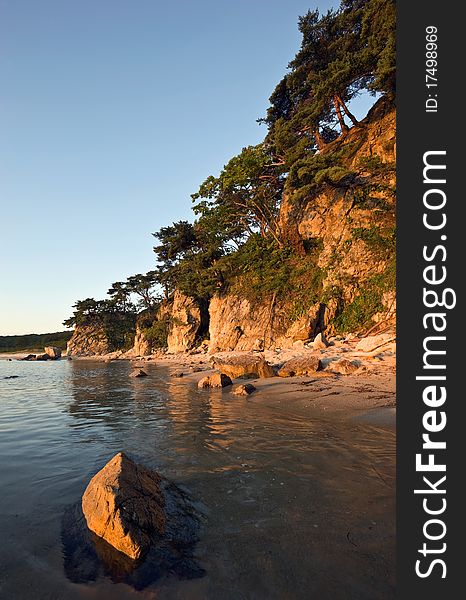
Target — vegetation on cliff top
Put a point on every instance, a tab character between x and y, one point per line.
237	233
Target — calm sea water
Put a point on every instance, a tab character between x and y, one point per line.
295	506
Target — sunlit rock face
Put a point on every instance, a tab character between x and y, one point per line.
142	346
186	324
52	351
124	505
245	364
88	340
350	228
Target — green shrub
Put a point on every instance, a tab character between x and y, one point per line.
356	315
335	175
374	238
157	333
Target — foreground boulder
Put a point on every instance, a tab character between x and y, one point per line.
217	380
300	365
243	365
42	357
124	505
53	352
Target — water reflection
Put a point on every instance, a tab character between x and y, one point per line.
270	479
87	557
296	504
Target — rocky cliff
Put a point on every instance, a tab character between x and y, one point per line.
101	335
188	323
343	216
178	325
348	221
336	274
88	340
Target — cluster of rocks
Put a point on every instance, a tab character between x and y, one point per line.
50	353
322	355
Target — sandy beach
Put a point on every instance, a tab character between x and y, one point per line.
370	388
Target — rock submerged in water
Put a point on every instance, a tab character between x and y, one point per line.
138	373
124	505
244	390
217	380
170	553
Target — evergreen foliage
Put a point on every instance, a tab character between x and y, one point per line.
237	232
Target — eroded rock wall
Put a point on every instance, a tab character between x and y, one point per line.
88	340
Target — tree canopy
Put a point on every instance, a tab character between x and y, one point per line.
344	52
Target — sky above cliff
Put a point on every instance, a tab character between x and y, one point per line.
112	112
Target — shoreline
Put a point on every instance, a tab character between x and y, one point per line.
370	389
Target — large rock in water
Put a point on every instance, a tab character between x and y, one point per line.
244	390
124	504
243	365
216	380
52	351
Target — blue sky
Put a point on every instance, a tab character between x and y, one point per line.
112	112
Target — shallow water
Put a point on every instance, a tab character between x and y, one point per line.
294	506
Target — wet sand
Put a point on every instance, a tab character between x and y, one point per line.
296	481
371	389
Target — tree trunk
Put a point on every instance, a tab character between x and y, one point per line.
319	140
343	126
350	116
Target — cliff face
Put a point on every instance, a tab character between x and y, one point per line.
188	322
238	324
350	222
102	334
338	216
88	340
178	325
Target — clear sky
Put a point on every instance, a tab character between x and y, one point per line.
112	112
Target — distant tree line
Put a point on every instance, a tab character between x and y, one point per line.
33	341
